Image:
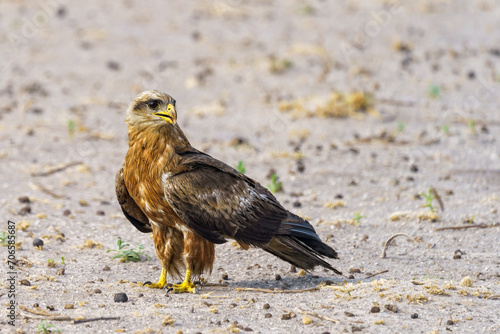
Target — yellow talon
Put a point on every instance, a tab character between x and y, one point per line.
162	282
186	285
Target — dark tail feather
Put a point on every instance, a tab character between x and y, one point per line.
297	243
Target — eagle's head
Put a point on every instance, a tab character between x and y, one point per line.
151	108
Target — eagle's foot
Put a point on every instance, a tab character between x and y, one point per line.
159	285
184	287
162	282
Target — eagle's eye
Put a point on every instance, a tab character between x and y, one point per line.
154	104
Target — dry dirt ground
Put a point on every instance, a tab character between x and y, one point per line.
271	83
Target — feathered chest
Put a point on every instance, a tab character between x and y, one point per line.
145	165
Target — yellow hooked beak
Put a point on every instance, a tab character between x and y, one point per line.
169	115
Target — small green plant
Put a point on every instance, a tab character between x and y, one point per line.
472	126
428	198
51	263
3	238
275	186
241	167
446	129
132	254
357	218
62	260
71	128
401	126
46	328
434	90
279	65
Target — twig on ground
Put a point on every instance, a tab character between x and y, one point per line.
47	191
314	314
81	321
466	227
384	250
276	291
24	308
66	318
373	275
57	169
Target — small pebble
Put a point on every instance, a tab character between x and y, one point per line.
392	308
450	323
354	271
414	168
286	316
266	306
100	213
329	282
69	306
414	316
268	315
66	213
106	268
225	276
24	199
375	309
457	257
38	243
277	277
248	329
60	271
293	269
120	297
351	277
297	204
50	308
25	210
97	291
25	282
349	314
36	305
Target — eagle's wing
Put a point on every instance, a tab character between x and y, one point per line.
130	209
217	201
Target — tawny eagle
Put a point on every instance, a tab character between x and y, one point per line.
191	201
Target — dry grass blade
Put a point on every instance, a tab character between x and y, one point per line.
466	227
57	169
277	291
47	191
24	308
384	250
380	272
319	316
434	193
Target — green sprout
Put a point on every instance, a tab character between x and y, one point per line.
71	128
434	90
62	260
357	218
279	65
446	129
3	238
43	327
275	186
51	263
133	254
472	126
241	167
428	198
401	126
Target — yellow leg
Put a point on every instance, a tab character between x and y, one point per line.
162	282
186	285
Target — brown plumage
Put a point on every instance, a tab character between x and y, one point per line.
191	201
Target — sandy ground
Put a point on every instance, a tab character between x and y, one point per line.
252	83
